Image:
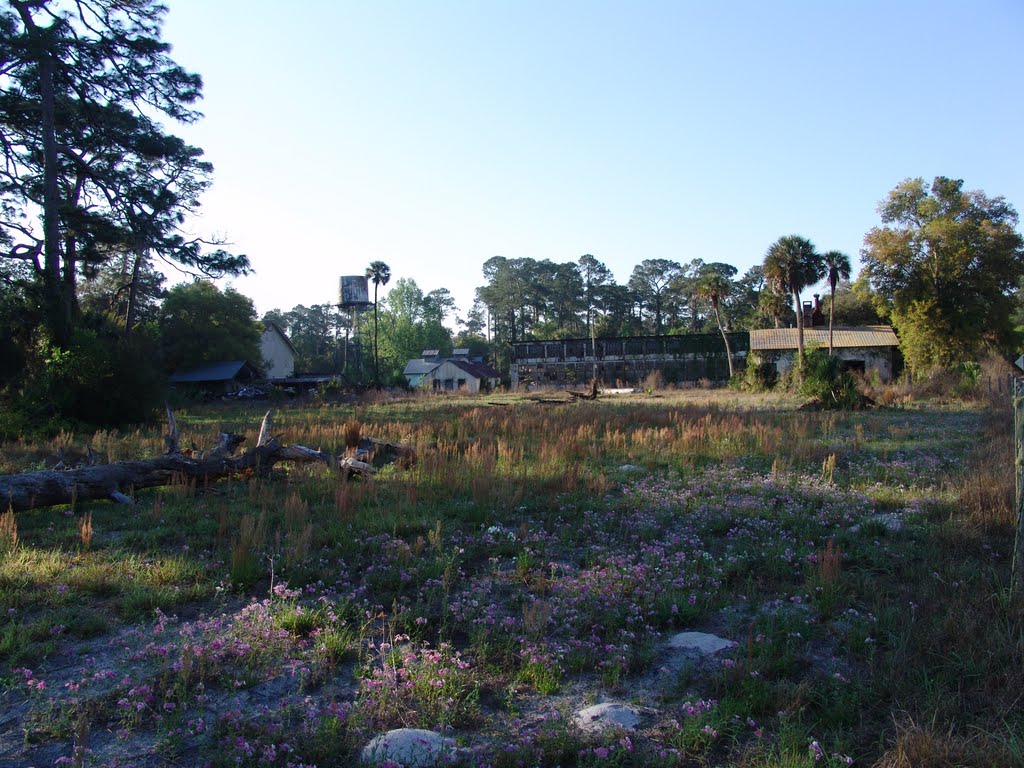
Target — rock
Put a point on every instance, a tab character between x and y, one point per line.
702	642
608	715
630	468
409	747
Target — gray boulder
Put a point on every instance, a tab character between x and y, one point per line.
410	747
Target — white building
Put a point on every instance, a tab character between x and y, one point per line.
450	374
278	353
864	349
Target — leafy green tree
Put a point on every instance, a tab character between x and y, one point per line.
791	265
123	286
945	265
475	322
855	303
714	286
410	323
595	277
80	82
621	312
201	324
651	282
837	266
507	296
379	274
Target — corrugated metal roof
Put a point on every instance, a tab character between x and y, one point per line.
786	338
419	367
224	371
477	369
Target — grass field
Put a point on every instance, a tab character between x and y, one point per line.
533	561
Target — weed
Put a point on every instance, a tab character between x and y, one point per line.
8	531
85	531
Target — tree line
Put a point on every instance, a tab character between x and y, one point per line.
944	267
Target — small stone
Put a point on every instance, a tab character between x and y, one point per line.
608	715
410	747
702	642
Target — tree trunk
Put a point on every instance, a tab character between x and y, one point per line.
58	312
831	315
376	361
133	295
47	488
725	338
799	338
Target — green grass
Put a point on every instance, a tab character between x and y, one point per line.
517	542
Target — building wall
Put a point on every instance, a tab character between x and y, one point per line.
278	359
627	361
874	359
448	377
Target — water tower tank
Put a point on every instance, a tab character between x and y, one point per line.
353	293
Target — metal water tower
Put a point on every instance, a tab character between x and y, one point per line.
353	297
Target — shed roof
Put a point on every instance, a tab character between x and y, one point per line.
476	369
419	367
786	338
222	371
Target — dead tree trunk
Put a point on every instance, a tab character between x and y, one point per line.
47	488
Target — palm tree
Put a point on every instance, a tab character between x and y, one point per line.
838	265
713	287
791	265
380	274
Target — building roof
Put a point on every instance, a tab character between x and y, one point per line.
476	369
786	338
223	371
420	367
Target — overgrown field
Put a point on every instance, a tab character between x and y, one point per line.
535	560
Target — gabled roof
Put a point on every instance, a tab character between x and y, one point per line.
420	367
786	338
270	325
223	371
476	369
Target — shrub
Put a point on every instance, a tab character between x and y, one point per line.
826	382
100	380
756	378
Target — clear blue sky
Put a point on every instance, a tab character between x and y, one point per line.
435	134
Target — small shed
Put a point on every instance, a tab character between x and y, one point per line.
450	374
864	349
219	378
277	351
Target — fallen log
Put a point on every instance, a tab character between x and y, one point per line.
591	395
47	488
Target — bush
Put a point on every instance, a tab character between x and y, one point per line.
756	378
827	383
100	380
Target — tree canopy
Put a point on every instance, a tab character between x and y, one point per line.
945	264
86	171
199	324
792	265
